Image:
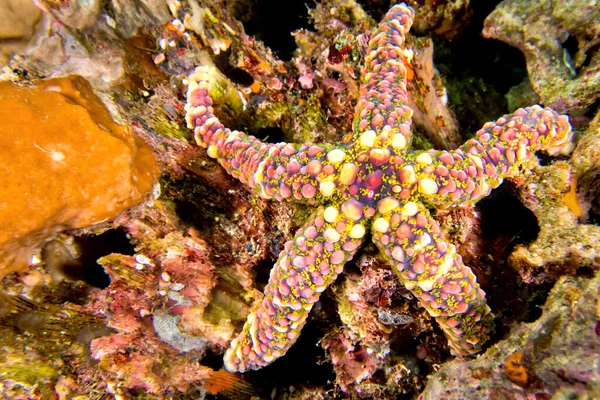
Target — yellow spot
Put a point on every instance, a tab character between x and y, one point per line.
426	285
398	253
447	263
386	130
330	214
485	188
398	141
336	156
381	156
428	186
213	151
367	139
476	160
348	174
268	357
424	158
357	231
192	84
407	175
352	209
410	209
388	204
211	121
252	322
410	285
235	134
327	188
425	240
331	235
381	225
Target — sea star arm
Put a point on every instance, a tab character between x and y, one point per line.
382	117
306	266
465	175
280	170
432	270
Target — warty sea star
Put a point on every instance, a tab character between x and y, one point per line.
372	183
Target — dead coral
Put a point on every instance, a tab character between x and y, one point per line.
558	354
566	82
443	18
564	245
586	170
19	23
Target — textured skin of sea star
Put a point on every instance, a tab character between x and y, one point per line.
373	183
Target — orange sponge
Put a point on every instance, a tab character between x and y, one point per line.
64	164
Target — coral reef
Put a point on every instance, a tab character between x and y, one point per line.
566	82
563	245
146	304
444	18
586	171
553	357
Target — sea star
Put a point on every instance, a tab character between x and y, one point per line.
372	183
